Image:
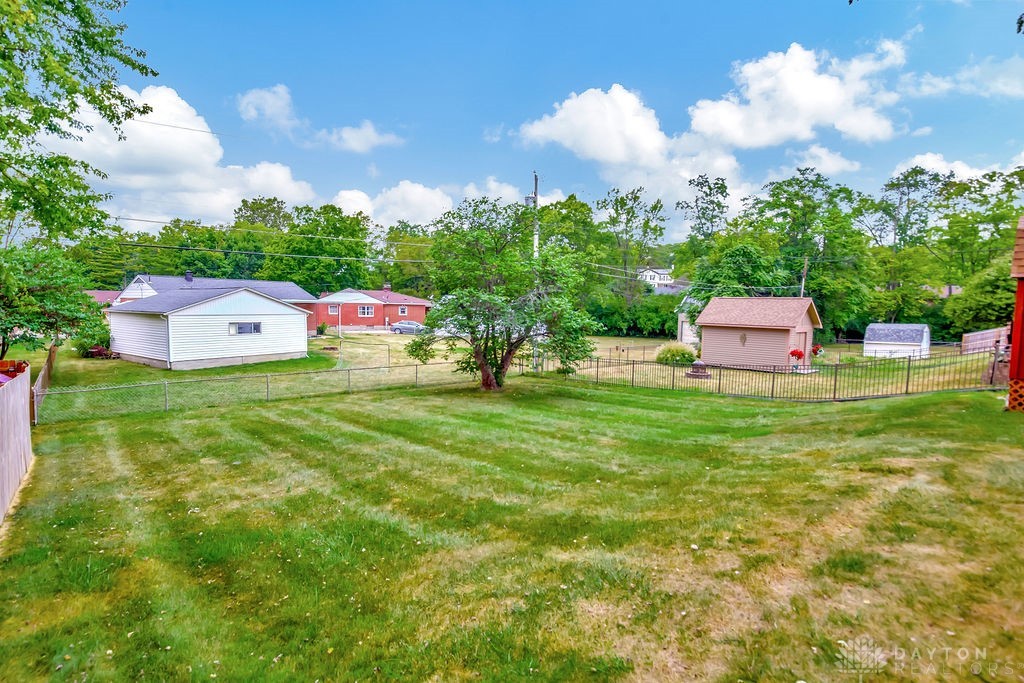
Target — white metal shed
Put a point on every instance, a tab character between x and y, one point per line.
897	340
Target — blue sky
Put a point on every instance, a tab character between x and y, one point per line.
402	109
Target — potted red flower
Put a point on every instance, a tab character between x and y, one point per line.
797	355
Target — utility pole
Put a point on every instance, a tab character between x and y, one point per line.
534	201
803	279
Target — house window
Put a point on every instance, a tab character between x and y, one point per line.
244	328
403	310
366	311
332	309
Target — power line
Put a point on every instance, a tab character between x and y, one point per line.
226	228
261	253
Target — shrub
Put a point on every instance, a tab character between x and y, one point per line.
94	332
676	353
321	329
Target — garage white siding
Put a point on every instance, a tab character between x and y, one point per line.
138	335
206	337
200	334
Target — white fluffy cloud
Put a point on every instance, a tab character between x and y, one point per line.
161	171
273	108
991	78
406	201
826	161
493	188
789	95
932	161
359	140
612	127
987	78
779	98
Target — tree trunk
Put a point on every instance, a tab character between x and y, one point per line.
488	381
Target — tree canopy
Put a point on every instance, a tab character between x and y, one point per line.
57	58
495	297
41	297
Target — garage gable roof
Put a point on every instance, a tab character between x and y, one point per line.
179	299
776	312
285	291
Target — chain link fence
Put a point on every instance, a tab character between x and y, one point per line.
77	403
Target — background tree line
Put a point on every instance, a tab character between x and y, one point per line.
901	255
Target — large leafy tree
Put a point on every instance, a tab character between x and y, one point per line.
402	259
706	213
815	222
496	297
57	58
635	227
986	301
41	297
744	269
976	222
323	250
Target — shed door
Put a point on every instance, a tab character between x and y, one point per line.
801	342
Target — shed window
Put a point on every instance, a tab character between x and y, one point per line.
244	328
403	310
332	309
366	311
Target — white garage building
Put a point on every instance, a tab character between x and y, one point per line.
184	329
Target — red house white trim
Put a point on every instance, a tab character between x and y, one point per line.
369	308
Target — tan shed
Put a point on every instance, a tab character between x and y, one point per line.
757	330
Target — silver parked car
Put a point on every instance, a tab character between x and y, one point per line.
407	327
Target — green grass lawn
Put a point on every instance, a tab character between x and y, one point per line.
549	531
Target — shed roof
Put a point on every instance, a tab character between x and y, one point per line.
285	291
768	312
896	333
1017	265
179	299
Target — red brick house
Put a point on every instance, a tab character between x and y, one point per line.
369	308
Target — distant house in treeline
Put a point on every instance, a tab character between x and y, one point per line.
369	308
757	330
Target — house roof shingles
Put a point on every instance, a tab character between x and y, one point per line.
177	299
103	296
285	291
389	297
895	333
768	312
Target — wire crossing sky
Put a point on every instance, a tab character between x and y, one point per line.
401	110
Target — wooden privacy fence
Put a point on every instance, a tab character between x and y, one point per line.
15	435
42	383
985	340
822	382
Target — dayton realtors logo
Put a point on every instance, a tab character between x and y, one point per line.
860	656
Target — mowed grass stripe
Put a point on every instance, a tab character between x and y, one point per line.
417	534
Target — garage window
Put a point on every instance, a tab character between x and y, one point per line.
244	328
332	309
403	310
